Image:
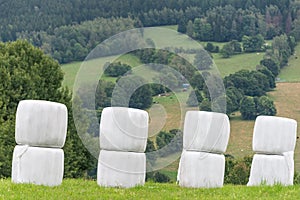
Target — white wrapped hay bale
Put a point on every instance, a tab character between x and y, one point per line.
272	169
121	169
274	135
41	123
41	166
123	129
201	170
206	131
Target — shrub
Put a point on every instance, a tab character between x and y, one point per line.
117	69
297	178
237	172
160	177
157	177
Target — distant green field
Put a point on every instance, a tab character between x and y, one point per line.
235	63
88	189
162	38
291	73
70	70
158	35
226	66
172	27
129	59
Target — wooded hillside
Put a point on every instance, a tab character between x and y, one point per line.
33	15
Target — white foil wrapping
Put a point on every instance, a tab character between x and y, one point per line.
41	166
206	131
274	135
121	169
123	129
201	170
41	123
272	169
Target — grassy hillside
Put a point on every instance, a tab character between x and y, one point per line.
87	189
231	65
291	73
70	70
286	96
225	66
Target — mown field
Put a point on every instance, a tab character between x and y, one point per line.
237	62
88	189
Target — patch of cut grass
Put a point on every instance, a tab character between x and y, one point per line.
162	38
70	70
238	62
129	59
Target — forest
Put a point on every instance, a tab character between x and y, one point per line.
50	33
34	15
67	30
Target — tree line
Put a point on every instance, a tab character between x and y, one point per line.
74	42
227	23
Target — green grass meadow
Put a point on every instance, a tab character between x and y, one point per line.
161	37
88	189
236	63
225	66
70	71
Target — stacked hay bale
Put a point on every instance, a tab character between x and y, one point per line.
123	140
274	141
41	128
205	139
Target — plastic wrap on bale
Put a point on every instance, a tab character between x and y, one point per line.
201	170
41	123
272	169
274	135
123	129
121	169
36	165
206	131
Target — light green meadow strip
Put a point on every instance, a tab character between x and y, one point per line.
291	73
88	189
